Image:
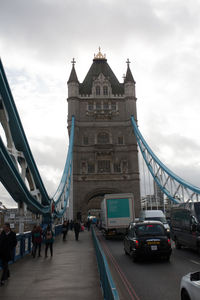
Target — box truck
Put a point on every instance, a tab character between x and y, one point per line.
117	211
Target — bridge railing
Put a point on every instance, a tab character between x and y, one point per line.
24	244
108	286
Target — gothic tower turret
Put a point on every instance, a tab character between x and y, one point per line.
73	83
129	91
73	92
129	82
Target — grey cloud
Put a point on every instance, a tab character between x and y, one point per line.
162	35
51	29
55	154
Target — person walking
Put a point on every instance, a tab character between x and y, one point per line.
77	228
65	228
8	242
33	239
88	224
71	224
37	235
49	240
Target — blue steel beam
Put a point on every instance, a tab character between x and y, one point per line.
13	182
60	189
10	176
152	161
18	134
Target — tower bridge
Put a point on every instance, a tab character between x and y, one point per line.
102	158
103	148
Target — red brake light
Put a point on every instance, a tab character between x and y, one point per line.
169	242
136	243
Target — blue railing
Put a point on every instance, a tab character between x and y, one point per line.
24	245
108	286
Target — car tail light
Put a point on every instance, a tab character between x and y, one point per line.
136	243
169	242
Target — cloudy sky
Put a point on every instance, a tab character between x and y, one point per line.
39	38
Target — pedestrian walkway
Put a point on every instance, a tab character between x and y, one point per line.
70	274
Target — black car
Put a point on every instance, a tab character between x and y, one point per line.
147	239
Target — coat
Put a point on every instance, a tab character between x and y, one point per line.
8	243
77	227
37	236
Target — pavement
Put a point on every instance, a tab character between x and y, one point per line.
71	273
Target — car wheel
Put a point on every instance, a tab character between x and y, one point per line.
184	295
177	244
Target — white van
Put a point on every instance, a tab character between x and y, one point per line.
156	215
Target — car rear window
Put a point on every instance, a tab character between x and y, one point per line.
161	219
150	229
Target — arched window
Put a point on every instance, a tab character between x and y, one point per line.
97	90
103	138
105	90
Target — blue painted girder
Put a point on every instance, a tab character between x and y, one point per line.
18	134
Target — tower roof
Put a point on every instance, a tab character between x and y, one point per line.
73	77
99	66
129	76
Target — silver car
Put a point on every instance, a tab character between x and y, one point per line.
190	286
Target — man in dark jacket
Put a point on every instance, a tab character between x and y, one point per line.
65	228
8	242
77	228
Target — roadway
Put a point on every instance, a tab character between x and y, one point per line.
148	280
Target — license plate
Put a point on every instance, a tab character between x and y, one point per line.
154	247
111	233
153	243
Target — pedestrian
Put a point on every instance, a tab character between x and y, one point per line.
88	224
8	242
71	225
37	240
65	228
49	240
33	240
77	228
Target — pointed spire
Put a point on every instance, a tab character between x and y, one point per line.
129	76
73	77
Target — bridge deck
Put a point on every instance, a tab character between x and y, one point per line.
70	274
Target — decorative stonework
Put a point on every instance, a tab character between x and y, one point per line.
107	163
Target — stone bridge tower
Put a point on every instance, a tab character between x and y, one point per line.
105	156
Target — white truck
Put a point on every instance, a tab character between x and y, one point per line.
117	211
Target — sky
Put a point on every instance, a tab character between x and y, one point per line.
38	40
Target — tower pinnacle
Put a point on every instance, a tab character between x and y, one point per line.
73	62
99	55
128	62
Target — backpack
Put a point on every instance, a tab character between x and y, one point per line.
48	235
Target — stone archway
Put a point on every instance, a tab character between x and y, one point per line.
93	200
